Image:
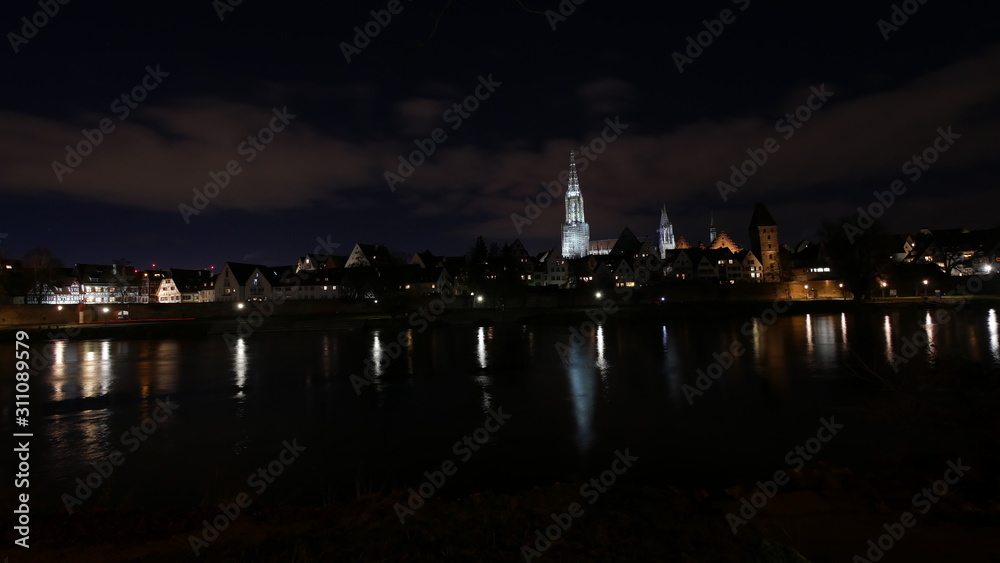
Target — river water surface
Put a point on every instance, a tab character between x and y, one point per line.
622	388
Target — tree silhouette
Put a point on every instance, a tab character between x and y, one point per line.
857	258
40	269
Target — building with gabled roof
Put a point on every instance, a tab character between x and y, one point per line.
193	286
231	284
374	255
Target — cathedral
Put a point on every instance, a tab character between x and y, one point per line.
576	241
665	234
575	230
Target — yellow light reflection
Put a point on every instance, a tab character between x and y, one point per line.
168	354
810	345
887	332
326	357
410	351
59	382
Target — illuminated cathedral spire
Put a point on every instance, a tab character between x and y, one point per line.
665	234
575	230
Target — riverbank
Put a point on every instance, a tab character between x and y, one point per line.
296	317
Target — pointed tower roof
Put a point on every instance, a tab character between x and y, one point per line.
761	217
663	216
574	179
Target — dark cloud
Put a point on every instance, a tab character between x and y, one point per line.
353	121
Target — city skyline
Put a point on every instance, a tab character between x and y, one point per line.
314	115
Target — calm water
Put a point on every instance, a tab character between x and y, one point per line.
621	389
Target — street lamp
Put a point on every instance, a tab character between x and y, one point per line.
915	286
806	287
598	295
883	289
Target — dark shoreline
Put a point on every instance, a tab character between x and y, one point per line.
281	321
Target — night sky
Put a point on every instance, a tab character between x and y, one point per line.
323	174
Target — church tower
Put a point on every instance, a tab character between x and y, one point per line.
575	230
764	242
665	234
712	232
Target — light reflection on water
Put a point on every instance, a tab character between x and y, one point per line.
994	338
929	327
240	367
484	381
887	337
810	347
646	364
481	346
583	395
602	361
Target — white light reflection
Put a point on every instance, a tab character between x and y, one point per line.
485	382
377	354
602	362
994	338
582	387
931	331
824	341
105	372
379	361
481	347
240	366
843	332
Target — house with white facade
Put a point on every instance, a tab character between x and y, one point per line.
231	285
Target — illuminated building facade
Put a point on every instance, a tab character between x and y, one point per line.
575	230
